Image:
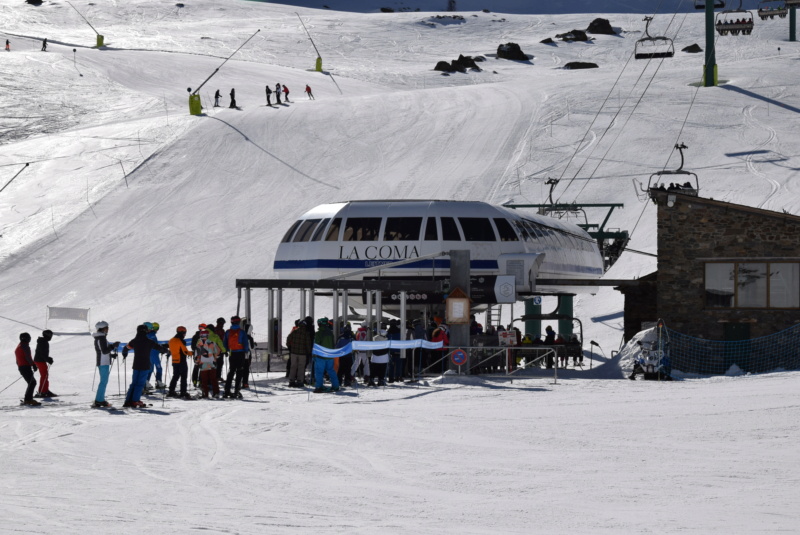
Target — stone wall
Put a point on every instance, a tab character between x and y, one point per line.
695	230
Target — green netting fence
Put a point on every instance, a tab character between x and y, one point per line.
779	351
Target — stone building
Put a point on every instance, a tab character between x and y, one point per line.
725	271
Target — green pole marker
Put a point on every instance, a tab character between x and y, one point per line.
710	69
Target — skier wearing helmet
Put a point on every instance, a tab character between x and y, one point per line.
26	368
155	358
141	346
238	345
105	352
180	370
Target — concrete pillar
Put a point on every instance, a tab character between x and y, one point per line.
459	278
533	327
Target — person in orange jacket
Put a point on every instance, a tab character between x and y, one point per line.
180	369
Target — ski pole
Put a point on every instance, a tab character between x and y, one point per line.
94	377
119	386
9	386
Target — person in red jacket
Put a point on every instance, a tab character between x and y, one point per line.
26	367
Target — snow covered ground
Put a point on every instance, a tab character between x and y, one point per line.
143	213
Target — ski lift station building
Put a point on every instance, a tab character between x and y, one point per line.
726	272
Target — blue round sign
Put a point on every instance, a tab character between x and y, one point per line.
459	357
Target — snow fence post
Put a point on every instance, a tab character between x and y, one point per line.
100	39
319	64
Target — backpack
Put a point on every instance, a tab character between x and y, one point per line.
234	344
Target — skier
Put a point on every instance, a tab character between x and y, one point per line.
362	357
155	358
219	330
8	45
180	369
346	362
248	330
216	99
237	344
43	360
286	93
233	98
44	45
299	344
395	368
141	346
278	93
105	354
323	366
26	368
269	94
195	340
380	360
309	93
205	356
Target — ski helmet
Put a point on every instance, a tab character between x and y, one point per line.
235	319
156	326
322	322
24	337
181	329
141	329
148	325
204	334
202	327
100	325
47	334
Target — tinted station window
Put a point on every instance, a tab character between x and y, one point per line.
505	229
402	228
477	229
431	234
320	229
306	229
288	236
333	230
361	229
450	230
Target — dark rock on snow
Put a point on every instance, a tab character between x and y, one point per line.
511	51
458	65
580	65
693	49
574	35
601	26
548	41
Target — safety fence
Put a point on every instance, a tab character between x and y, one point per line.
779	351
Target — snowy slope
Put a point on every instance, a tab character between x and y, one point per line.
134	208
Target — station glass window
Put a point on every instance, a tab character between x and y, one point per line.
306	230
361	229
450	230
288	236
431	234
505	229
320	229
752	284
402	228
477	229
333	230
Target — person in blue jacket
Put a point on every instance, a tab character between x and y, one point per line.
155	358
237	345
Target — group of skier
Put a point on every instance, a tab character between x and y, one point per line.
208	348
269	92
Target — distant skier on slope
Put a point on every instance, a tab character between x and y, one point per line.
8	45
26	367
269	94
286	93
216	99
44	45
278	93
309	93
233	98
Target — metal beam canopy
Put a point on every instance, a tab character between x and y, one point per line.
328	284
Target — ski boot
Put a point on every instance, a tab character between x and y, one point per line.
30	403
49	394
160	385
237	395
172	394
185	395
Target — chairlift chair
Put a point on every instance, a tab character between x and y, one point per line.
688	188
653	47
791	3
701	4
769	9
735	21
